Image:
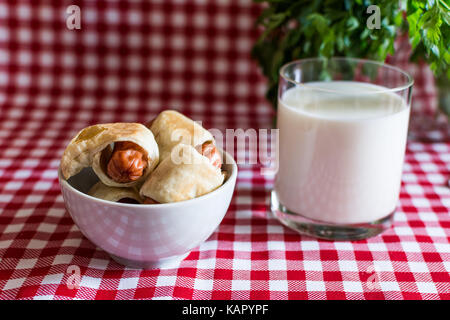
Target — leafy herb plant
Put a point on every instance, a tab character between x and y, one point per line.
296	29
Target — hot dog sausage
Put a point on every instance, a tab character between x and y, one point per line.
127	162
148	200
209	150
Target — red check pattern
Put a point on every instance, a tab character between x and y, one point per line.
129	61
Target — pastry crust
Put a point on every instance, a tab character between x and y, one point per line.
171	128
102	191
87	146
184	175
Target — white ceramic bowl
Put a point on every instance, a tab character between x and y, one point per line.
147	236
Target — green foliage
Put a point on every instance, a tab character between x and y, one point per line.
297	29
429	33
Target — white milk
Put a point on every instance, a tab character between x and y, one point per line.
341	155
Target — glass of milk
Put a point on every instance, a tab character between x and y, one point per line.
342	134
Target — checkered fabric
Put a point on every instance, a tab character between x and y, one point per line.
129	61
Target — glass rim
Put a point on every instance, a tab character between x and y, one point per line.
409	79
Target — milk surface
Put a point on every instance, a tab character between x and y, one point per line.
342	146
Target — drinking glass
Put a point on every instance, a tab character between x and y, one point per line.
343	126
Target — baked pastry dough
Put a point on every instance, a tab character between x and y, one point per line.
92	147
102	191
184	175
171	128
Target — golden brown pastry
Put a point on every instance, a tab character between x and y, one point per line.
171	128
184	175
131	159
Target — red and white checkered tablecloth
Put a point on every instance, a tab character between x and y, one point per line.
129	61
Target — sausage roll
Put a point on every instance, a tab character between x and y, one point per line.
184	175
171	128
115	194
121	154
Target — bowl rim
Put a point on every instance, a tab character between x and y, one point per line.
229	161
